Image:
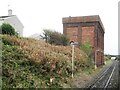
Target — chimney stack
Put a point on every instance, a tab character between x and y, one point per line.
9	12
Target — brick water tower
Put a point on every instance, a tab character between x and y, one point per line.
86	29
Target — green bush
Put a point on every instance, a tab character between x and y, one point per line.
88	50
7	29
18	71
6	42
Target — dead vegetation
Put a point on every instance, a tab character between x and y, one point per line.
40	60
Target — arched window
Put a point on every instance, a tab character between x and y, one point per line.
71	42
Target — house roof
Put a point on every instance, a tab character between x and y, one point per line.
80	19
11	16
6	16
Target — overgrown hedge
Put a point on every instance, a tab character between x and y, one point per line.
7	29
31	63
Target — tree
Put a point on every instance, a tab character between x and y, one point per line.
65	40
46	35
7	29
54	37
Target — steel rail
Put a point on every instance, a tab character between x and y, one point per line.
102	75
110	77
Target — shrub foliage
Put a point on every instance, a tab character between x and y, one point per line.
88	50
32	63
7	29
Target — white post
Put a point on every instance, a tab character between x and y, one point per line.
72	59
95	59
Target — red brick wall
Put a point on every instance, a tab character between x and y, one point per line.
88	34
99	45
72	33
83	29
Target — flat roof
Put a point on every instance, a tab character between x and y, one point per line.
79	19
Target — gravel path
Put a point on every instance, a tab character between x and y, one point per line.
84	80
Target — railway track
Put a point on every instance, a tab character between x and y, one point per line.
103	80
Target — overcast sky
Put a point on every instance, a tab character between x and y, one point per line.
39	14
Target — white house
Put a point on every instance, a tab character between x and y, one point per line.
13	21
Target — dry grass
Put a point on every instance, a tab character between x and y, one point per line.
37	50
46	61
